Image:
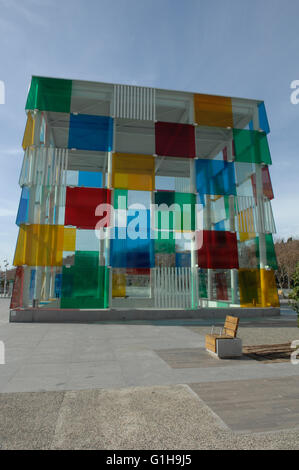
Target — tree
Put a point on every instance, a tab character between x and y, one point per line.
287	254
294	295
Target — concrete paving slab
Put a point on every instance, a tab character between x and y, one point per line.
36	350
103	374
39	384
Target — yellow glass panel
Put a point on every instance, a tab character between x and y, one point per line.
118	285
40	245
28	138
120	180
249	285
269	289
213	111
69	241
246	225
20	248
258	288
133	171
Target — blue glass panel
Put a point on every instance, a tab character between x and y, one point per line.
32	283
200	199
133	247
129	253
138	220
264	124
90	179
215	177
183	260
263	119
90	132
220	225
23	211
58	284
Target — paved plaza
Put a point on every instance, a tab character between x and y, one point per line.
136	385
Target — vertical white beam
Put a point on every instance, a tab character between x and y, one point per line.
233	272
260	201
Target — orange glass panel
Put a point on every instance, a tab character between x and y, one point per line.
133	171
213	111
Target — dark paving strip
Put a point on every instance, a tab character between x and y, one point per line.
195	358
269	353
255	405
283	324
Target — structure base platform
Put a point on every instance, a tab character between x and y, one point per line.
43	315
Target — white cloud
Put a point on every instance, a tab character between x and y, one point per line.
27	12
11	151
7	213
285	211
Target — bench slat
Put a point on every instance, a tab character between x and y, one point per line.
231	319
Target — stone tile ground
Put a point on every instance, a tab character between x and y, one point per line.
125	386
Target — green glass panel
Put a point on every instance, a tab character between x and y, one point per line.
88	259
271	255
85	284
226	205
182	217
164	220
165	242
222	304
164	197
202	283
120	199
50	94
270	251
251	146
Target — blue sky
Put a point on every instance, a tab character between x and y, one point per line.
243	48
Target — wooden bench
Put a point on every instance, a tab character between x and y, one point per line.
225	343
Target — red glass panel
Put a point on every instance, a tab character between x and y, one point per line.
17	292
175	140
221	286
218	251
138	271
81	204
267	185
224	153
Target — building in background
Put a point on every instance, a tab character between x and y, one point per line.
143	150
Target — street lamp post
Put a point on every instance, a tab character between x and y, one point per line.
5	276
